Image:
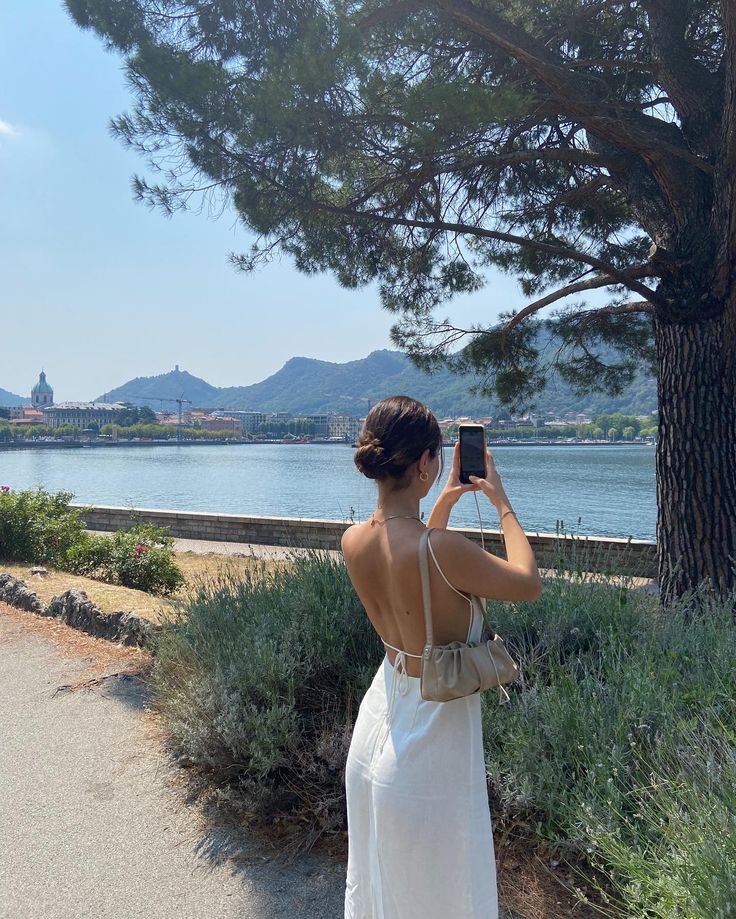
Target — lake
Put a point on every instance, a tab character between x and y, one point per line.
590	490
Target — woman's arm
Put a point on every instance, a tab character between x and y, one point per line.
471	568
440	516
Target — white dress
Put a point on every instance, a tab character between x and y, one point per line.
420	844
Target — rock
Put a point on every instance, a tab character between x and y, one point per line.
16	593
38	571
76	609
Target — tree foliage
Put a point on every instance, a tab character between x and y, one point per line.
133	414
577	144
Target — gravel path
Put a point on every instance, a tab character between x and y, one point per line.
209	547
93	826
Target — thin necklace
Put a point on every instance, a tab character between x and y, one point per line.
393	517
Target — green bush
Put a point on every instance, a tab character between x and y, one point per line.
598	745
675	853
260	680
617	747
141	558
37	527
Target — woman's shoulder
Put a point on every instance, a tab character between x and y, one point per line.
458	558
450	542
353	537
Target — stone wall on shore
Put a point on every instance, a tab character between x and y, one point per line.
636	557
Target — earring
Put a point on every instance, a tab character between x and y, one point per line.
423	476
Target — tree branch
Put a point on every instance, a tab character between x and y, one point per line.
462	229
576	63
585	317
591	284
562	252
571	156
618	277
634	131
693	89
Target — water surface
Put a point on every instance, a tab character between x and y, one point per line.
597	491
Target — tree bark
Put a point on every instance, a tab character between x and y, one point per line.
696	457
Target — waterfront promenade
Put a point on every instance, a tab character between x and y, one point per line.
633	557
96	824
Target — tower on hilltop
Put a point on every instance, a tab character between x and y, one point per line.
42	394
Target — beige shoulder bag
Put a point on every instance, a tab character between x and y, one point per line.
460	668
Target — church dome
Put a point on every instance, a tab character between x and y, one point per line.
42	386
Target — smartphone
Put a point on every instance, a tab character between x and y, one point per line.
472	451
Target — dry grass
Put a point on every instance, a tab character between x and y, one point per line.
530	889
110	598
197	565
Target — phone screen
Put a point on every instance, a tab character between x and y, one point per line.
472	452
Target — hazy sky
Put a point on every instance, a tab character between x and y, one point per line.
97	289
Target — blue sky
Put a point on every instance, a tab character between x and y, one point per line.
97	289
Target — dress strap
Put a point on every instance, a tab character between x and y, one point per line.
400	650
424	544
434	559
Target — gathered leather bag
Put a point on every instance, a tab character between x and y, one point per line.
460	668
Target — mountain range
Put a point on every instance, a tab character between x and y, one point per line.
10	398
309	386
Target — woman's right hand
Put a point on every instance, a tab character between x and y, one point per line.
491	485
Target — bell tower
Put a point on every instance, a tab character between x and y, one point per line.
42	394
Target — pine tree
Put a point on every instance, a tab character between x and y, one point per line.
582	145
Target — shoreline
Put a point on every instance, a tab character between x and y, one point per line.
49	445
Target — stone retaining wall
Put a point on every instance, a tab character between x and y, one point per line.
636	557
76	609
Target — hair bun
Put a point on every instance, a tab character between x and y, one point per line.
370	455
395	433
375	445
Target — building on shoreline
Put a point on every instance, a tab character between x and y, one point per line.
82	414
42	396
344	426
250	422
322	425
215	422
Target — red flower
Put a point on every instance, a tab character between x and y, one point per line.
5	489
140	549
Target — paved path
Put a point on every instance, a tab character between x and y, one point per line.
92	825
212	547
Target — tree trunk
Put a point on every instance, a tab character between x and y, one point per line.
696	457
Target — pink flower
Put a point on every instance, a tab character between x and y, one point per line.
5	489
140	549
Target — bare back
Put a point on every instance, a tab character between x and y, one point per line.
383	564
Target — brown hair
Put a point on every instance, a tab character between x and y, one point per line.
396	432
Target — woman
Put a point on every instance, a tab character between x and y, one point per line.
419	829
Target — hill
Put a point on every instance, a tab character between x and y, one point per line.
177	384
10	398
310	386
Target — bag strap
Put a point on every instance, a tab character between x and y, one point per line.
426	599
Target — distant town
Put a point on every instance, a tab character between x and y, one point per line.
47	421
